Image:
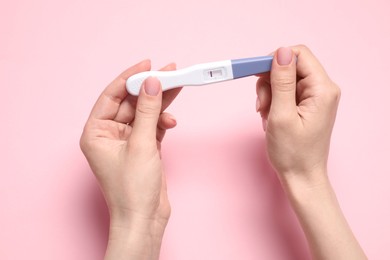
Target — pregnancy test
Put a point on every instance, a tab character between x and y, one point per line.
202	74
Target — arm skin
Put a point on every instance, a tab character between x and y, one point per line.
298	104
121	141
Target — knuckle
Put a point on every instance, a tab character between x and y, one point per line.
303	47
84	143
333	93
122	130
337	91
147	109
284	83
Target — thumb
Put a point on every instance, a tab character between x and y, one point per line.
283	82
147	111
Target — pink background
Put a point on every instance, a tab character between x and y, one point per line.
57	56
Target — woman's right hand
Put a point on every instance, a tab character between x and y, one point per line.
298	104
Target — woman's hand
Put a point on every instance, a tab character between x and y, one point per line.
298	103
121	141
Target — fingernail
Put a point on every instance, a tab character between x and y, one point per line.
257	104
264	122
284	56
152	86
172	118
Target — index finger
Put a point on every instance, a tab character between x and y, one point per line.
108	103
169	95
307	64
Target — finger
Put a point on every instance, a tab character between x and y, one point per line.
160	135
283	83
166	121
169	95
308	65
147	111
107	105
264	96
126	110
168	67
312	79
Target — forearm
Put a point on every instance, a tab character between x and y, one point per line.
327	231
134	240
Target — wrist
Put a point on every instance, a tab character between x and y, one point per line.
134	237
145	221
301	185
315	204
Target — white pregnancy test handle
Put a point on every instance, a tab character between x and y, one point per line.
202	74
199	74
